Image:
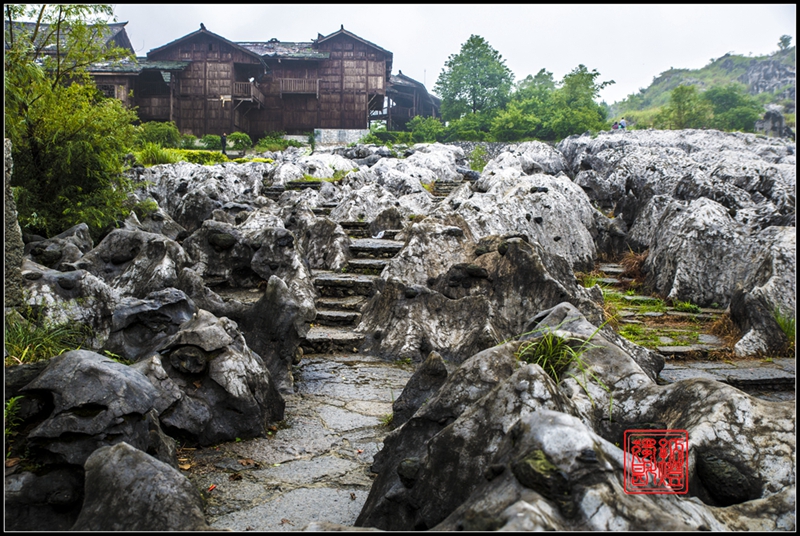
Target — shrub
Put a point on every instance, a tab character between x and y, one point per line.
240	141
153	154
787	325
274	142
212	142
188	141
478	158
165	134
206	158
687	307
425	129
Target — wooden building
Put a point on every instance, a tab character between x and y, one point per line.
209	85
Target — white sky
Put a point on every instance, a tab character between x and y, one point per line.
630	44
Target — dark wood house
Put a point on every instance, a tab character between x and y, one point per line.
209	85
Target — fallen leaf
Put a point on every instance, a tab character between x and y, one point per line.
235	476
284	521
212	487
360	451
197	384
247	461
352	496
11	462
185	466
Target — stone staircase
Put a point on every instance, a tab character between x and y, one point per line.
343	295
684	338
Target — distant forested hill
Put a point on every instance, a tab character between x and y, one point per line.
771	79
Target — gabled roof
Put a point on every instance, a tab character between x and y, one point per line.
203	31
138	65
342	31
106	33
398	81
285	50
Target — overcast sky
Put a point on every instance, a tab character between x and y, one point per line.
630	44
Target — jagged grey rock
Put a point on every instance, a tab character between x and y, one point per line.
49	500
129	490
424	384
136	263
469	445
63	249
95	402
226	390
222	255
698	253
14	248
76	297
139	326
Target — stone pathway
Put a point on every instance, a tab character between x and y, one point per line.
315	466
689	347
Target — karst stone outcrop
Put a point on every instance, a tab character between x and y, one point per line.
213	290
502	445
129	490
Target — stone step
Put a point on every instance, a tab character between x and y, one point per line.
337	318
356	229
610	268
366	266
302	185
348	303
273	192
325	339
375	248
340	285
747	375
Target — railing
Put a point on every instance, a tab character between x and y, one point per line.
247	90
300	85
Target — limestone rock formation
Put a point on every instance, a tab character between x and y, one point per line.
502	445
14	247
129	490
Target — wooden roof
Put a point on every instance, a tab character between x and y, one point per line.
285	50
104	33
342	31
203	31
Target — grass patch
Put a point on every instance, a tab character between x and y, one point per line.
11	420
787	325
633	263
30	340
686	307
556	354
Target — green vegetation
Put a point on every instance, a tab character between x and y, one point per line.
478	158
211	142
641	108
11	420
787	325
274	142
163	134
557	353
726	107
240	141
68	140
29	339
686	307
152	154
188	141
476	80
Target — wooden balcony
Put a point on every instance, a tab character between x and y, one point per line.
248	91
300	85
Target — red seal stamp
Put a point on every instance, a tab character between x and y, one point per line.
656	462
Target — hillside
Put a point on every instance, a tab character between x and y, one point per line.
772	78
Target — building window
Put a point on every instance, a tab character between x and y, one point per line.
107	89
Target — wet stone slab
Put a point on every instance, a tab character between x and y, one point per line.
340	506
309	471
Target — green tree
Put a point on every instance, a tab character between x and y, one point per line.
68	141
733	107
572	106
513	124
473	81
425	129
785	42
165	134
686	109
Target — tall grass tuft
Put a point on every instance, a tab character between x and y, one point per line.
28	341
